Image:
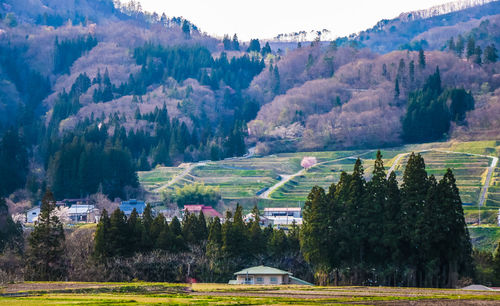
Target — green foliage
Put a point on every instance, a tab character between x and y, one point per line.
431	110
427	117
11	234
79	167
368	230
13	163
254	46
190	62
197	194
46	253
490	54
68	51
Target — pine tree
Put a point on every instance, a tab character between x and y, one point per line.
471	47
421	59
396	89
490	54
314	232
102	244
136	231
392	222
236	43
46	254
119	234
278	244
356	208
215	232
412	71
156	228
11	234
413	194
201	233
234	242
375	207
256	243
178	243
456	245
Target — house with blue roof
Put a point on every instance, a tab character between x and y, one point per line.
128	206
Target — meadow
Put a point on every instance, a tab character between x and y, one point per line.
139	293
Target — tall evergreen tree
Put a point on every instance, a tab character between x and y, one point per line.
46	253
102	241
413	194
421	59
11	233
313	236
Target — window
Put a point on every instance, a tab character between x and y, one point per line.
274	280
248	280
260	280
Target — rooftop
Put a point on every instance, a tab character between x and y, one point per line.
282	209
76	209
207	210
262	270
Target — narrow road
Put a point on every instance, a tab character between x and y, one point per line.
395	163
486	185
286	178
179	176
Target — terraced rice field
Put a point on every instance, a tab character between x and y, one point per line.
157	177
469	171
242	179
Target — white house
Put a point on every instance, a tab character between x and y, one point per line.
32	214
284	215
262	275
80	213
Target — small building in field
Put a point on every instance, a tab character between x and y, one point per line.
128	206
262	275
208	211
284	215
32	214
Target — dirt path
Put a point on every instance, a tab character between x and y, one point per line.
487	182
178	177
286	178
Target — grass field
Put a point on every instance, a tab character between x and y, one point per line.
64	293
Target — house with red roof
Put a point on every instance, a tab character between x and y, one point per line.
208	211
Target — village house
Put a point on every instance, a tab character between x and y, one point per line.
208	211
284	215
262	275
128	206
82	213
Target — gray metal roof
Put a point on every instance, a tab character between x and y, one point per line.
262	270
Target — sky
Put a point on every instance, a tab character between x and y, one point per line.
266	18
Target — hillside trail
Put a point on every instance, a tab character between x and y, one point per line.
487	181
286	178
191	167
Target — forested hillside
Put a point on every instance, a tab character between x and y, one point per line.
93	86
